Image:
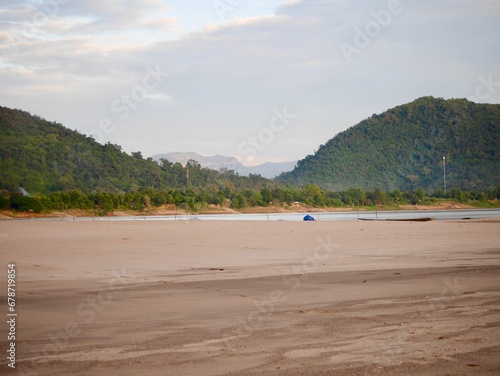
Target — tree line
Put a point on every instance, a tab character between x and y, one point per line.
102	203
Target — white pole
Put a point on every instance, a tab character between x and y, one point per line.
444	173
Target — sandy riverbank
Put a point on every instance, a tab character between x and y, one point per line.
171	210
238	298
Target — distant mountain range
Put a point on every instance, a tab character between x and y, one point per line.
218	162
403	148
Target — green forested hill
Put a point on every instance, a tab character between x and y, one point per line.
42	157
403	148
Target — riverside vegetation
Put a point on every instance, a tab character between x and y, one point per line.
102	203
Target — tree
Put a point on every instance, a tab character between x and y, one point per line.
313	195
266	196
414	180
238	202
4	202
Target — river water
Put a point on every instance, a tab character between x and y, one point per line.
323	216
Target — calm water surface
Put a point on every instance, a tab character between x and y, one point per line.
325	216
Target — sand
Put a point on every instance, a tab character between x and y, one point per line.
254	298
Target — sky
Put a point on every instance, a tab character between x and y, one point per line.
264	81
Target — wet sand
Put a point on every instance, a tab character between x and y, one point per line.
254	298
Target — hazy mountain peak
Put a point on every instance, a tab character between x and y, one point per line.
218	162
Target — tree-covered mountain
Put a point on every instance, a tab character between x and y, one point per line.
42	157
403	148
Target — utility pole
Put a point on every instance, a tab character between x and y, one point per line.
444	173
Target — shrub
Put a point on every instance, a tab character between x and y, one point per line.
23	203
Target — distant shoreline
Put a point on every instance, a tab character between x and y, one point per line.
296	209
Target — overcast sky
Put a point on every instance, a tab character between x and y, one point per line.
259	80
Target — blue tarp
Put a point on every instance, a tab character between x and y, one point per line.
308	218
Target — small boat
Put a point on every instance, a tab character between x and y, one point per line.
424	219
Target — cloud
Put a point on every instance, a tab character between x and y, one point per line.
227	76
119	16
109	24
